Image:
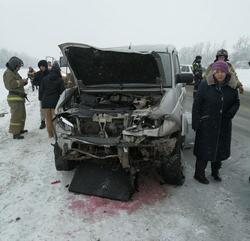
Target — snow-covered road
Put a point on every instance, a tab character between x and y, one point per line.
32	208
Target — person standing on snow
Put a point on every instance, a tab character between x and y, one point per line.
16	98
50	90
197	71
43	71
214	107
234	82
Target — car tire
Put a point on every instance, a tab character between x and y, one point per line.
60	163
172	169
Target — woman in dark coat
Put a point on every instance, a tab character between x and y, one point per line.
50	90
213	109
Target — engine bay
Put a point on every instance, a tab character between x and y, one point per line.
119	100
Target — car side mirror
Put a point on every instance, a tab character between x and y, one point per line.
185	78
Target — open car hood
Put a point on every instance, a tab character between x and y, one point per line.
93	67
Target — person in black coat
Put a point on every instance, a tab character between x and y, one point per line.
214	107
39	75
51	88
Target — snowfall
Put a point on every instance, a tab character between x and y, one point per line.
35	203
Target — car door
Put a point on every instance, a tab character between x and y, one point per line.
179	108
180	89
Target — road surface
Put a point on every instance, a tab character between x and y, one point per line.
36	205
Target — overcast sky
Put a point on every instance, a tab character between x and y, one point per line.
37	27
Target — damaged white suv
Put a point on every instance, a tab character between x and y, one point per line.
126	108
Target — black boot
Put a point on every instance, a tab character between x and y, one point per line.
18	136
200	172
217	177
201	179
215	166
42	126
23	131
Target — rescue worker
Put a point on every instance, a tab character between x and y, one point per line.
43	71
197	71
51	88
16	98
214	107
31	76
234	82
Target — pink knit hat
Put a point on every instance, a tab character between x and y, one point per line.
220	65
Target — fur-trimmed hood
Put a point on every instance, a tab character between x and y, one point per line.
230	80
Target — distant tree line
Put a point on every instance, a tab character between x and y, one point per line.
240	52
5	55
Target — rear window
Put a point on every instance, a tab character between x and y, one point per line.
186	68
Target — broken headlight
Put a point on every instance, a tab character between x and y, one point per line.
65	124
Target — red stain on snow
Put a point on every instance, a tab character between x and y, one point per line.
150	192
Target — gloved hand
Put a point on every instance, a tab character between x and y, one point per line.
241	89
24	95
25	81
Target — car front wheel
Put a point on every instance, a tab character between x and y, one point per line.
60	162
172	170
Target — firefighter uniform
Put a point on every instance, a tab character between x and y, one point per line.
197	71
16	99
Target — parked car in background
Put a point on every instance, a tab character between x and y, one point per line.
242	64
187	69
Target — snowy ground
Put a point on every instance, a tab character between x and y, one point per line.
244	77
32	208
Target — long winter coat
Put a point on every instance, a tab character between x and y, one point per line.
39	75
213	110
51	88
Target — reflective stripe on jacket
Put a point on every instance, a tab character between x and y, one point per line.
16	124
14	98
